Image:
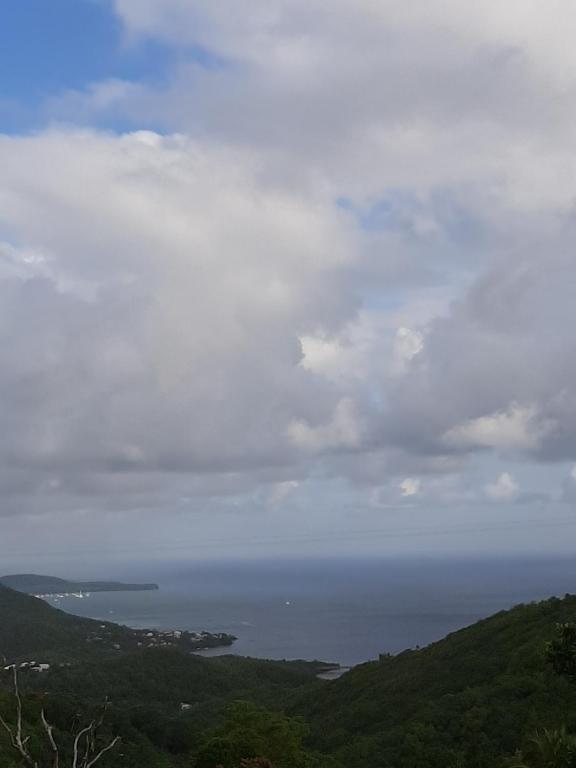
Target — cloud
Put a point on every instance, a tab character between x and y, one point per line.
344	430
497	371
256	29
280	492
347	250
152	298
410	486
505	488
520	23
408	344
516	428
452	98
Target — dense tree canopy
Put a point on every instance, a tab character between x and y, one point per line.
499	693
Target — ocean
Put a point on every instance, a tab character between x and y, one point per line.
342	611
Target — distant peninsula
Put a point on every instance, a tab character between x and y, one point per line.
35	584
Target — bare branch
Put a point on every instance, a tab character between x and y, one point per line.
18	706
15	735
6	727
20	748
49	732
84	747
91	757
89	744
77	741
103	751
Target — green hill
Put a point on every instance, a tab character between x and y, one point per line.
467	701
163	700
96	659
29	627
464	701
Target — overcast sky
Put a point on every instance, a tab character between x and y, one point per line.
286	277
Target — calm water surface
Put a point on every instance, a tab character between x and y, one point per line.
340	611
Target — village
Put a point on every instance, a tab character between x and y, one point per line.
116	638
120	638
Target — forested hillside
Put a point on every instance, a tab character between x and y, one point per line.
468	699
471	700
165	703
31	627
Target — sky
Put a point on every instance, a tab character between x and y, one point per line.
286	278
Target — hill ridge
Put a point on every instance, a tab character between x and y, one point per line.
38	584
482	688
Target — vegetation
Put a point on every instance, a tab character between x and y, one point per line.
249	732
547	749
468	700
501	693
164	703
30	627
86	750
164	679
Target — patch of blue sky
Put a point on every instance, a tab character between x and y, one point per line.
398	210
50	47
441	232
393	211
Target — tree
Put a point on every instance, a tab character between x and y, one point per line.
554	748
87	749
256	737
561	651
548	749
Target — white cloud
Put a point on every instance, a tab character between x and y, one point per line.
161	326
257	28
410	486
344	430
505	488
407	345
455	97
497	371
355	247
516	428
321	354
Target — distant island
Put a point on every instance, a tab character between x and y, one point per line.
35	584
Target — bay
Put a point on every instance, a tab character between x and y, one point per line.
342	611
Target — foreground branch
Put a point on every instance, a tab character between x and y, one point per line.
85	752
